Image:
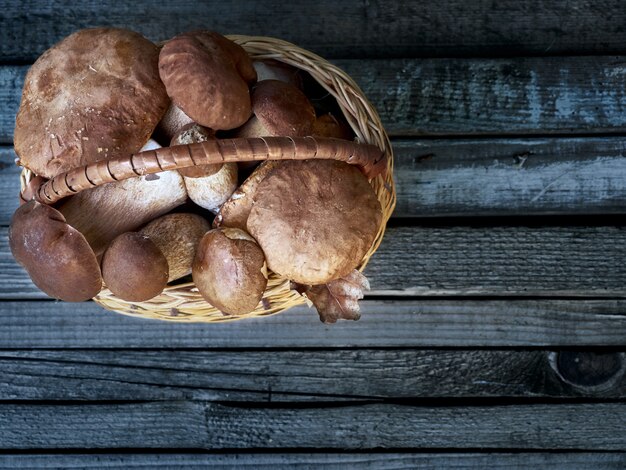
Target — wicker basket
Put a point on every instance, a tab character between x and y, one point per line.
182	302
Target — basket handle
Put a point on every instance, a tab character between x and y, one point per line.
369	158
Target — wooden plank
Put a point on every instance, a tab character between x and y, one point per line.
425	323
468	177
451	177
451	261
465	96
288	376
326	461
349	28
189	425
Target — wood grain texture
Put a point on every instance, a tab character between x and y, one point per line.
196	424
484	177
283	376
348	29
464	96
487	177
436	323
325	461
451	261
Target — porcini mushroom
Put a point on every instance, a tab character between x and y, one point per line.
235	211
106	211
56	256
177	236
134	268
229	271
93	96
327	125
209	186
314	219
269	69
138	265
280	109
208	77
172	123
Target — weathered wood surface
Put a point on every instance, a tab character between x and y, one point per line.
295	375
481	177
401	323
325	461
185	424
496	261
486	177
339	29
463	96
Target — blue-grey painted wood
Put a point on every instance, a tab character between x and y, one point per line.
201	425
323	461
401	323
464	96
347	28
301	375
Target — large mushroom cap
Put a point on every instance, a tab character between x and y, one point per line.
229	271
207	76
314	219
93	96
55	255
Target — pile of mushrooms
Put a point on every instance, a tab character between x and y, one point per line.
104	93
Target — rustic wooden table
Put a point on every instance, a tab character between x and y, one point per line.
495	332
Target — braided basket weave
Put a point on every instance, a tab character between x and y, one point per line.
183	302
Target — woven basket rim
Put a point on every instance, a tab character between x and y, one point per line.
182	302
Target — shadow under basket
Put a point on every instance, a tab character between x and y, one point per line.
183	302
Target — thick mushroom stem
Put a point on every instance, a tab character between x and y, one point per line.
209	186
177	236
174	120
106	211
369	158
56	256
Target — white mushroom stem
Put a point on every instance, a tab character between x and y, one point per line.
104	212
173	121
177	236
274	70
209	186
210	192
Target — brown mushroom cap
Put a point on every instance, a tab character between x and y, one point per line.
314	219
229	271
95	95
282	109
207	76
177	236
134	268
56	256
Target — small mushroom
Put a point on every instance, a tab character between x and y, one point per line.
235	211
134	268
209	186
177	236
106	211
280	109
208	77
138	265
269	69
229	271
327	125
56	256
93	96
314	219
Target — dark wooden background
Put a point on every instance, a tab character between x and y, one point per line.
495	333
